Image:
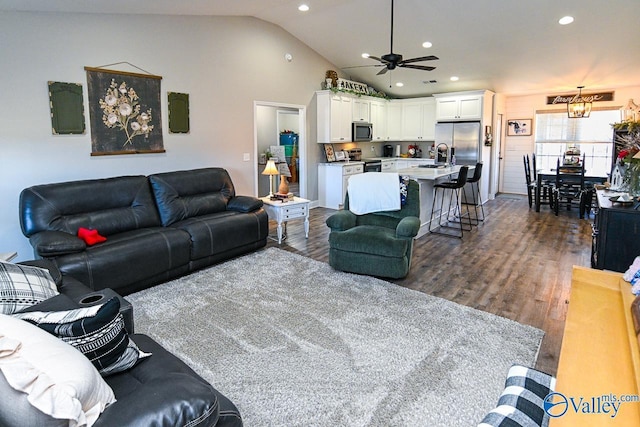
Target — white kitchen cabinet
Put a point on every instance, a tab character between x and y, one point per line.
463	107
332	182
378	113
333	117
360	110
419	120
394	121
388	165
402	164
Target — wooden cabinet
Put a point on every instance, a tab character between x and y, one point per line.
332	182
616	235
360	110
333	117
464	107
419	120
378	114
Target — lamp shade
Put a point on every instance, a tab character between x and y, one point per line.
270	168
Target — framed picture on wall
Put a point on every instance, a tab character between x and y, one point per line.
278	153
519	127
329	153
124	112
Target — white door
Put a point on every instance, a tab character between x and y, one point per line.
514	147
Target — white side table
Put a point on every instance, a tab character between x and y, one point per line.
284	211
7	256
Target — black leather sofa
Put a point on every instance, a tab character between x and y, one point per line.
160	390
157	227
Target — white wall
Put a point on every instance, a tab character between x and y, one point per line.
223	63
525	107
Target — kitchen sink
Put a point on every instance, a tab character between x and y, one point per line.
433	166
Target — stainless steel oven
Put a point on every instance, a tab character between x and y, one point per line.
373	166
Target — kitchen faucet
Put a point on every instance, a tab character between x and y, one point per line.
446	153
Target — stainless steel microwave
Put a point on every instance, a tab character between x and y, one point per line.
361	132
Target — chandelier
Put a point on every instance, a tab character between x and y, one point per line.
577	107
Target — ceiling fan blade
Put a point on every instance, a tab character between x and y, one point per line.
383	71
422	58
417	67
375	58
363	66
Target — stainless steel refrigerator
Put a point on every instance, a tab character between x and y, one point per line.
463	137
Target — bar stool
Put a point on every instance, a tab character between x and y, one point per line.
475	194
453	188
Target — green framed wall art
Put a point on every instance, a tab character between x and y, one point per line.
66	104
178	112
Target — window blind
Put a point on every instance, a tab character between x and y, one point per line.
556	127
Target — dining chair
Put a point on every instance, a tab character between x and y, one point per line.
569	186
531	183
546	186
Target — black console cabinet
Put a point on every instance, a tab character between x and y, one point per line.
616	235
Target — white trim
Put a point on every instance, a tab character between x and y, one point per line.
302	142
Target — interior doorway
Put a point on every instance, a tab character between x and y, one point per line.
270	119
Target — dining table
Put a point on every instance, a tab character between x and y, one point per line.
595	177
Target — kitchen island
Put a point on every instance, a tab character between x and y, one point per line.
427	178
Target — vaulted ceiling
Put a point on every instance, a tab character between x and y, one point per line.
511	47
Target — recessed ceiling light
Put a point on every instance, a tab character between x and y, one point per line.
365	55
454	78
399	84
565	20
427	44
303	8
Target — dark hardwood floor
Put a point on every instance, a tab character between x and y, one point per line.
517	264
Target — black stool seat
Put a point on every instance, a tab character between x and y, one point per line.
474	182
454	187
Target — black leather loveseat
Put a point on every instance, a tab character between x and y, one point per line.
159	391
157	227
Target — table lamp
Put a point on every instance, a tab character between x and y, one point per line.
271	170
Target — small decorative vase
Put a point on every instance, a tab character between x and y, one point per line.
284	185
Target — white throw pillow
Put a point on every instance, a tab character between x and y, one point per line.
57	379
22	286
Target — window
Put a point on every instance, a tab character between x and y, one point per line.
593	135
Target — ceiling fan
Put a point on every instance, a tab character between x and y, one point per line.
392	60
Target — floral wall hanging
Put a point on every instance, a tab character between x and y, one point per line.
124	111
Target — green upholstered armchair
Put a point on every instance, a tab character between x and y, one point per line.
376	244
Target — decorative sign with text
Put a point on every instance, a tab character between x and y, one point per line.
358	87
592	97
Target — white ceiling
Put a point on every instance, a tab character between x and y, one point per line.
508	46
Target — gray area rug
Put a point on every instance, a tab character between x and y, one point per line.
294	343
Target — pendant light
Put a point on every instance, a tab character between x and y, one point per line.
577	107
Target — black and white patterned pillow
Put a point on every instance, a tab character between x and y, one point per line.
22	286
404	183
97	332
521	403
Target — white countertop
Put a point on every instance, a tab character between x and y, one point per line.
431	173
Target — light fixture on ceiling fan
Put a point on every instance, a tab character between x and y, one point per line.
578	107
